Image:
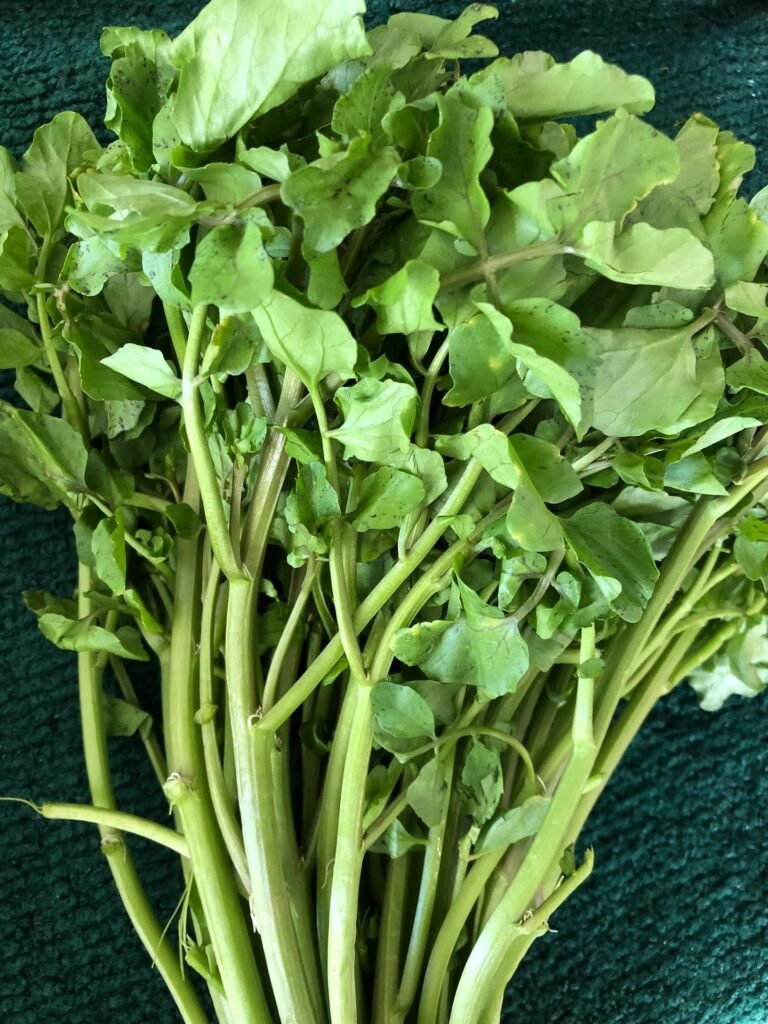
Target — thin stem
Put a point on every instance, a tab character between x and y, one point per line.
220	794
494	264
287	636
148	736
379	596
71	408
134	900
119	820
218	528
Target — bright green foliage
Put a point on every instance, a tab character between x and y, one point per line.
420	439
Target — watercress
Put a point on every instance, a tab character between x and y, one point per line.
419	441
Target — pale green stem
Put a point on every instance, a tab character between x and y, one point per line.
134	900
120	821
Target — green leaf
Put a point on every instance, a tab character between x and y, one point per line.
645	381
311	504
231	269
751	372
108	547
327	286
88	336
397	841
462	143
515	824
89	265
83	635
146	366
42	458
185	520
699	175
313	343
147	214
58	148
387	498
482	780
122	718
15	254
361	110
378	417
425	464
738	238
231	348
230	184
745	297
724	427
610	170
428	793
221	86
403	303
534	87
401	712
543	333
615	551
17	350
480	648
35	392
642	255
752	556
337	194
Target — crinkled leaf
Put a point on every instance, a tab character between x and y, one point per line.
403	303
378	417
642	255
534	87
338	193
610	170
461	142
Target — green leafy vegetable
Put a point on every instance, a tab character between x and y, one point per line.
417	437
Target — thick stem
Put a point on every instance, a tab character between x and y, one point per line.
188	793
292	970
487	957
348	863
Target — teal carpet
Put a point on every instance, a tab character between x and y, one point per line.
672	925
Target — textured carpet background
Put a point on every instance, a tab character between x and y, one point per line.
672	926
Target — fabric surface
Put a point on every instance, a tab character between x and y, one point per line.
671	927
